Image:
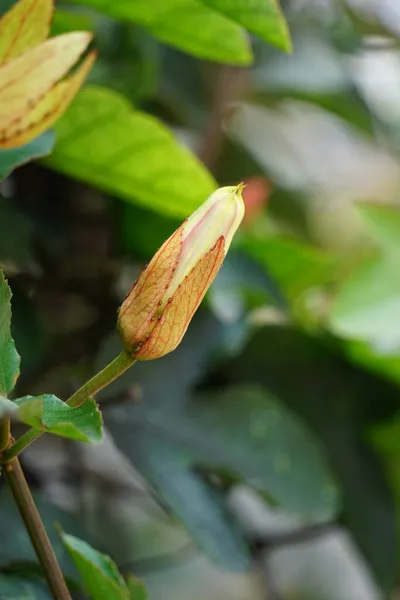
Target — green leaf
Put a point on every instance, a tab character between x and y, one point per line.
202	509
103	141
14	587
65	21
137	589
188	24
295	266
243	431
262	17
267	446
367	306
98	572
49	413
9	358
11	159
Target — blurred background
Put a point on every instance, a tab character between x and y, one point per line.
261	459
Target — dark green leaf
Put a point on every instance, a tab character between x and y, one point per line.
98	572
202	508
49	413
9	358
247	431
262	17
11	159
103	141
188	25
244	432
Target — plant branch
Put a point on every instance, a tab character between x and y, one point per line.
5	433
35	528
229	85
113	370
271	586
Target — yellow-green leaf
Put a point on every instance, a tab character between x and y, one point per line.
262	17
47	110
24	26
101	140
186	24
27	80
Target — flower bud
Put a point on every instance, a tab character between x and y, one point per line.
157	311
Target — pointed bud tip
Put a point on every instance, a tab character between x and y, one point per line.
239	189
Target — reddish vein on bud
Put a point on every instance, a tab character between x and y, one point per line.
157	311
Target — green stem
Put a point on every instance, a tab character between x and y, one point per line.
23	498
5	433
102	379
94	385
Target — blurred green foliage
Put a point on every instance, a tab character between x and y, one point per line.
285	388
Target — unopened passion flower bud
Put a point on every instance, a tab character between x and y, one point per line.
157	311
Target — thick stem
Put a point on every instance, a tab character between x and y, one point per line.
35	528
94	385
